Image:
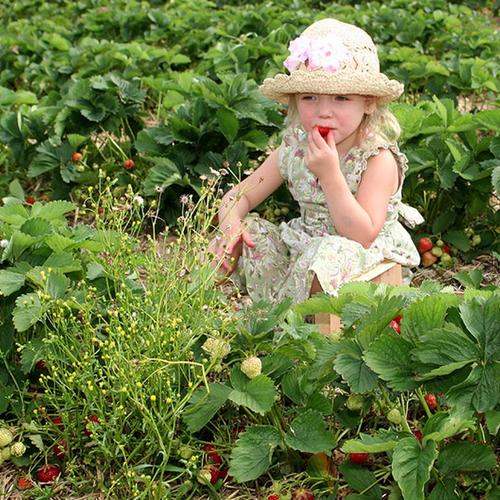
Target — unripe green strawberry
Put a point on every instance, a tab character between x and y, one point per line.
5	453
204	476
394	416
6	437
476	240
436	251
17	449
355	402
251	367
185	452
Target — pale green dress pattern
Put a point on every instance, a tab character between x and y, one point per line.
286	257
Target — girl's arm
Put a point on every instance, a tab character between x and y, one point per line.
361	217
236	204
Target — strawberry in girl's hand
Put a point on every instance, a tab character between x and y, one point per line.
48	473
323	131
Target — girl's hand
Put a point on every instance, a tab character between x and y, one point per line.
321	156
228	246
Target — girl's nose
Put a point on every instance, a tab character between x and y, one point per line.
325	106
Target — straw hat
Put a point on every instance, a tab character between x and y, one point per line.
332	57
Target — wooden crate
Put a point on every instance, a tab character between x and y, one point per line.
385	272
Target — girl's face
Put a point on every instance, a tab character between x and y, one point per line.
342	113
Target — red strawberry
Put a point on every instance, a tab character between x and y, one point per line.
395	326
358	458
23	483
29	200
129	164
212	455
323	131
446	249
273	497
60	448
40	365
58	421
88	428
302	494
431	401
76	157
418	435
214	474
428	259
424	245
48	473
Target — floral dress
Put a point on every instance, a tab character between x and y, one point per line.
286	257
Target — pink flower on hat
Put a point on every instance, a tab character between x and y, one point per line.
326	54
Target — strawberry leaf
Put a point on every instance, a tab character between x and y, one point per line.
256	394
389	357
251	457
383	440
204	405
308	434
411	466
467	457
361	479
350	365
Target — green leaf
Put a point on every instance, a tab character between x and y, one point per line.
360	479
16	190
35	226
228	123
63	262
14	214
351	366
458	239
10	281
470	279
204	405
256	394
467	457
252	455
94	271
27	312
448	347
442	426
18	243
383	440
57	285
483	321
53	211
308	434
389	357
489	119
163	174
411	466
426	314
31	353
444	490
58	243
493	421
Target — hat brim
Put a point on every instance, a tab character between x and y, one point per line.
280	87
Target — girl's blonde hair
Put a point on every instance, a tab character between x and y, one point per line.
381	122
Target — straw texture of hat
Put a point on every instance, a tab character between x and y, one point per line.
332	57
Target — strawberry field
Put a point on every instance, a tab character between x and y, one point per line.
127	370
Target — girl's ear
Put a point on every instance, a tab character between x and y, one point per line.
370	105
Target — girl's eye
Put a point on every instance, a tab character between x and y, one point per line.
308	97
341	98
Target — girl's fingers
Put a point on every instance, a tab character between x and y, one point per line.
246	238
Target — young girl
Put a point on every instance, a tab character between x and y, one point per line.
341	163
